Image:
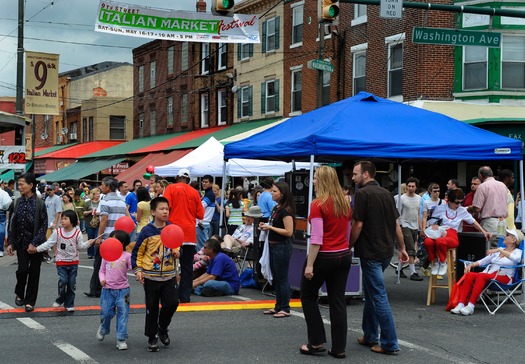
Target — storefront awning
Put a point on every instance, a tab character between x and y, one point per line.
42	151
137	170
81	169
79	150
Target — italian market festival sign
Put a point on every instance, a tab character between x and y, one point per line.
137	21
41	83
456	37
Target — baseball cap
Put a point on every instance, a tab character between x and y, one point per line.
184	172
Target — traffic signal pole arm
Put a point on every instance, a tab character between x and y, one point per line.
449	8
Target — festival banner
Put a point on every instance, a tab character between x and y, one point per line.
138	21
12	157
41	84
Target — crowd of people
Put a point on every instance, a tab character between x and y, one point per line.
51	219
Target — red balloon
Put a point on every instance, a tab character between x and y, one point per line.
172	236
111	249
150	168
125	223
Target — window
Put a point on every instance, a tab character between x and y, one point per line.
222	56
513	62
395	69
297	24
141	125
170	111
171	53
141	79
474	68
91	129
325	97
270	96
152	122
152	67
244	102
184	109
84	130
205	58
270	37
185	58
359	78
222	106
244	51
360	16
117	127
205	110
296	91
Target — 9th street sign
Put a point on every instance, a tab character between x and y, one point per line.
456	37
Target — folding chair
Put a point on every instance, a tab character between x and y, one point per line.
496	294
244	255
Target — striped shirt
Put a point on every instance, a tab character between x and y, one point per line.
114	208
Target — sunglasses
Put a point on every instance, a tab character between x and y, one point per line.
458	202
435	191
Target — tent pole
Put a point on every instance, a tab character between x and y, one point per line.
398	202
223	186
522	198
310	196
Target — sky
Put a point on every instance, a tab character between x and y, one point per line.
66	27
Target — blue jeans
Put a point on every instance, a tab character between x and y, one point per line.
67	284
115	301
2	230
92	234
203	234
280	255
221	286
377	313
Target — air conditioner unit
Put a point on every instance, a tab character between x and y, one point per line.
64	131
59	139
73	136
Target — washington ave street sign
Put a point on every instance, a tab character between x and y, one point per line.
456	37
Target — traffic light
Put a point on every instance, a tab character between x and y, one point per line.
222	7
328	11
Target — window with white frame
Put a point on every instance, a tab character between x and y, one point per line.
141	125
475	68
152	72
171	53
245	97
271	35
325	97
170	111
360	15
152	122
296	91
141	78
513	62
395	69
222	58
359	75
184	109
270	96
184	56
117	127
222	106
297	23
205	107
205	58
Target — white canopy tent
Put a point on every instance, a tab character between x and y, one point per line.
209	159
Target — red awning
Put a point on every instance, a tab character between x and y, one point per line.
170	143
137	170
80	150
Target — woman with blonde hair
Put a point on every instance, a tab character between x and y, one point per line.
91	219
328	261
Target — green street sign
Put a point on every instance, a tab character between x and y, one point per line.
320	65
456	37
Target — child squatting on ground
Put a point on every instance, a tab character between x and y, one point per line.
114	298
68	240
154	266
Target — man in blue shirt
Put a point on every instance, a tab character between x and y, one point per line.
208	202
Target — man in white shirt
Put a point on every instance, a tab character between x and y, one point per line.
5	202
53	208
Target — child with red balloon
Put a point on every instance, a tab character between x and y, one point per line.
153	260
113	275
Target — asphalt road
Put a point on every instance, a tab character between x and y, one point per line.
233	333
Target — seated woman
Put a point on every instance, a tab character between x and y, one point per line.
497	258
243	235
451	216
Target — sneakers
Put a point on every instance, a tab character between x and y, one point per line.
153	344
210	292
121	345
415	277
435	269
163	336
70	309
56	304
100	335
442	269
1	253
401	274
457	310
467	310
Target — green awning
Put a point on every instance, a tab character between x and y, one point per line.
10	173
80	169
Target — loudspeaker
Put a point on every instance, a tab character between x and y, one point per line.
472	247
299	182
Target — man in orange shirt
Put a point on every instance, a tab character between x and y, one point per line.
185	209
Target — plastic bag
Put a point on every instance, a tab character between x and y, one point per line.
434	234
246	279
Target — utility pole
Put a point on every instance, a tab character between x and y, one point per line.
320	72
20	59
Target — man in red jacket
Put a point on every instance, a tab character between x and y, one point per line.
185	209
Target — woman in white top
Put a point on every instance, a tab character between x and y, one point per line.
451	215
495	260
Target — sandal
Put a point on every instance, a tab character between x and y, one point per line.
282	314
338	355
380	350
269	312
362	341
311	350
29	308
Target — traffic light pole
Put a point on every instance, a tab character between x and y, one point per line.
449	8
320	72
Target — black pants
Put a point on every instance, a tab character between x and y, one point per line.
186	271
333	269
28	273
166	293
94	284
